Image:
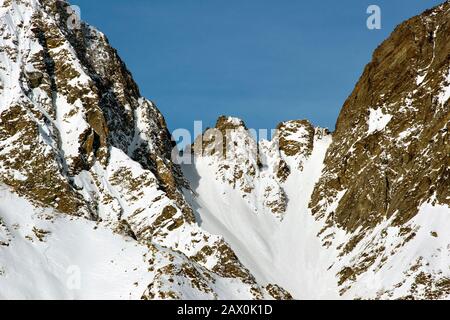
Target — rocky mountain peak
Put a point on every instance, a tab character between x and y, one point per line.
77	138
258	168
230	123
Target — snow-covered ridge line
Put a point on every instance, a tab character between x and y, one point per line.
258	169
87	144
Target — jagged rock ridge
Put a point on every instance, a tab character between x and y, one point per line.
77	137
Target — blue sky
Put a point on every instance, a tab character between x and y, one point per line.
263	61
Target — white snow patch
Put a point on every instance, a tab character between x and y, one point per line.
378	120
77	259
445	94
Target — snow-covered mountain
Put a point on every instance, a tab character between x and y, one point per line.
361	213
92	204
78	141
265	216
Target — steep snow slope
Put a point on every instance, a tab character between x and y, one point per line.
285	251
45	255
58	257
306	255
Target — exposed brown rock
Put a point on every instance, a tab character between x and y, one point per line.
393	170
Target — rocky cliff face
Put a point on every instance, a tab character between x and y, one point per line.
77	137
392	134
391	150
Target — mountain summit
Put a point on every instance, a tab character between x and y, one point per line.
93	206
78	141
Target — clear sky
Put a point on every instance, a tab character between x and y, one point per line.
264	61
